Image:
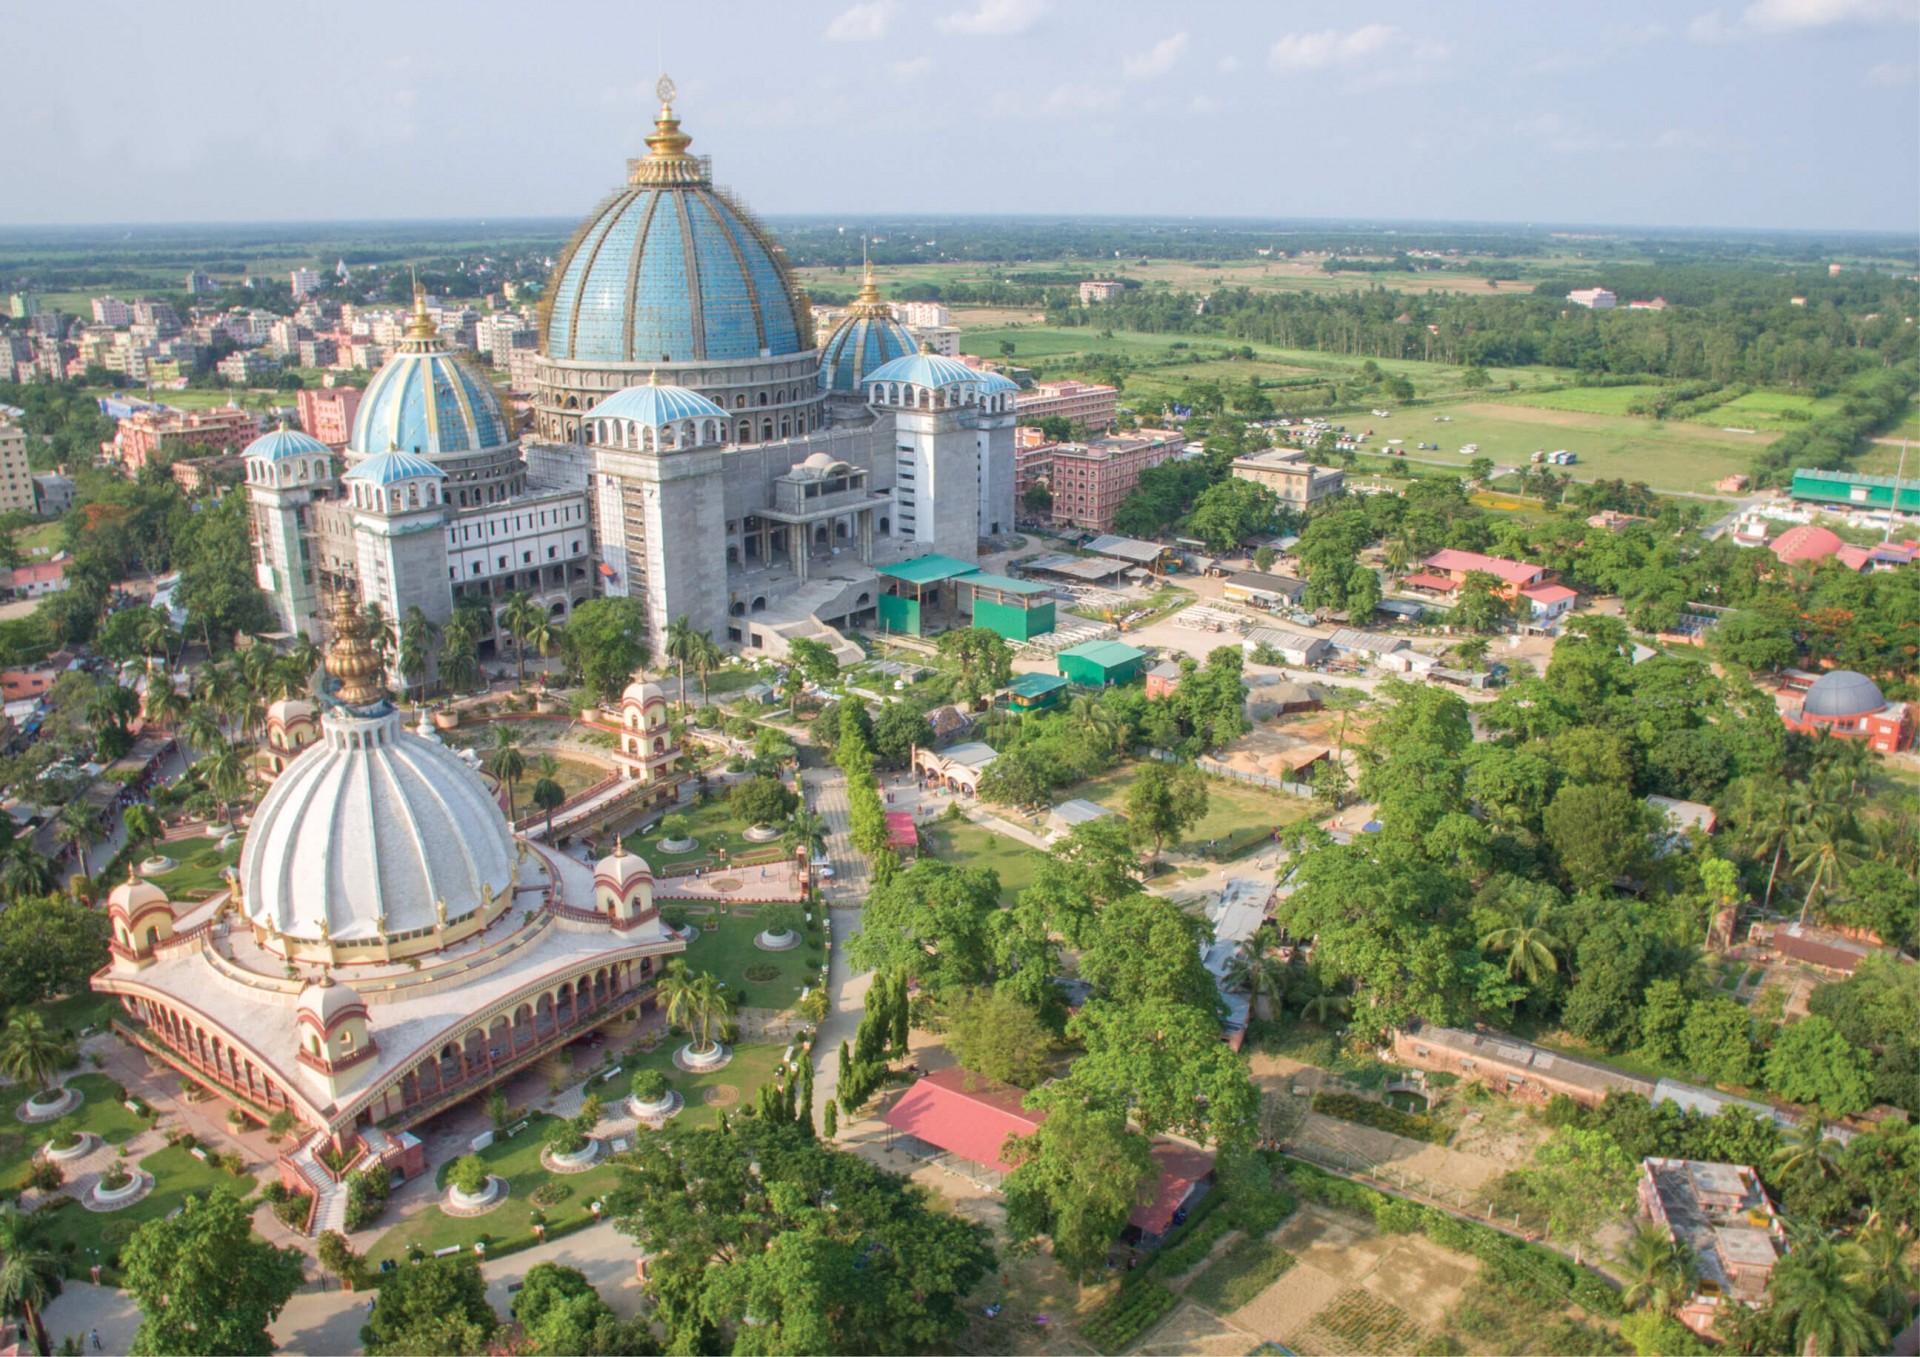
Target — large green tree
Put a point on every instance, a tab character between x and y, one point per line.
438	1305
996	1033
931	921
1163	1063
605	642
205	1282
562	1315
764	1238
1811	1062
52	944
1075	1180
1164	801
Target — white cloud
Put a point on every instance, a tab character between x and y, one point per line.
1315	51
1794	16
1203	103
995	18
862	23
1891	74
1229	64
910	69
1073	98
1156	60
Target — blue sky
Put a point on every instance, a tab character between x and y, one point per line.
1715	113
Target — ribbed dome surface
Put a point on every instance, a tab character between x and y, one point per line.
925	369
372	820
654	405
1843	693
281	444
429	403
857	346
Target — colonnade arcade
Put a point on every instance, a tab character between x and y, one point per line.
465	1060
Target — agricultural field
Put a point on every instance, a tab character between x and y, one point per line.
1671	455
1587	400
1770	411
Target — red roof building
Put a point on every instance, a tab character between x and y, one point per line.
1438	583
1457	565
1183	1168
902	835
1549	601
1805	544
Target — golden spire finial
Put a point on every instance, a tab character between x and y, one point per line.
667	161
351	657
420	325
653	377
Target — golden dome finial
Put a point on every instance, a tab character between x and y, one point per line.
420	325
351	657
868	301
653	377
667	161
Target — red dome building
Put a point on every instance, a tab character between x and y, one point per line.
1851	706
1806	545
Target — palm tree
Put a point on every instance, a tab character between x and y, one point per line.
166	705
418	638
1398	555
32	1053
1807	1150
157	633
143	826
505	761
223	768
517	618
1097	719
1532	952
302	658
1822	850
460	657
1264	976
1768	815
1659	1268
695	1002
683	647
379	629
548	794
79	829
1884	1242
29	1272
201	728
810	835
706	658
1820	1291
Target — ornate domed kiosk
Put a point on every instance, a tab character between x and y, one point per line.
387	947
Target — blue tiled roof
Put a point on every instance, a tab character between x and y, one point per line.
858	345
281	444
924	369
387	467
990	382
656	405
670	274
430	403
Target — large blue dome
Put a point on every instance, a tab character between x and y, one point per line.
667	270
424	400
867	339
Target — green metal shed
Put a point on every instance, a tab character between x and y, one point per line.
1101	664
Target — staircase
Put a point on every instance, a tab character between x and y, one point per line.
329	1194
795	616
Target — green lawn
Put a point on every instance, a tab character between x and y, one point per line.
1769	411
79	1234
77	1012
1232	807
40	539
201	870
725	947
1587	400
101	1113
714	825
518	1159
965	844
574	775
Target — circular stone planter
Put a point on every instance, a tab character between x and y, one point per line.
85	1147
463	1204
579	1161
228	841
676	846
760	833
42	1108
776	942
100	1198
158	865
446	720
699	1062
657	1112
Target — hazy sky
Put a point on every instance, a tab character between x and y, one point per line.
1757	113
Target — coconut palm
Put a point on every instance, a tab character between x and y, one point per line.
1822	850
23	871
1659	1269
695	1002
505	761
418	639
29	1272
460	654
1398	555
706	658
1097	719
165	704
79	829
683	647
201	728
379	629
31	1053
143	826
548	794
541	634
517	618
1884	1241
809	834
1532	952
1806	1150
223	768
302	658
1264	976
1821	1293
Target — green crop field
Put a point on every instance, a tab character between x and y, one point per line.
1586	400
1769	411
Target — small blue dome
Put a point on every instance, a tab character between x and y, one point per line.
670	270
282	444
993	382
924	369
425	400
859	345
654	405
385	468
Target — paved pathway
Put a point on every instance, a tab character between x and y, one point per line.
846	894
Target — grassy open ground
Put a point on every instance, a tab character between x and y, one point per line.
1278	275
201	869
77	1233
716	828
101	1112
77	1012
39	539
1232	807
964	844
725	947
1668	455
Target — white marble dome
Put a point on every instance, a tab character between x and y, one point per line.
368	831
620	867
326	999
643	693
